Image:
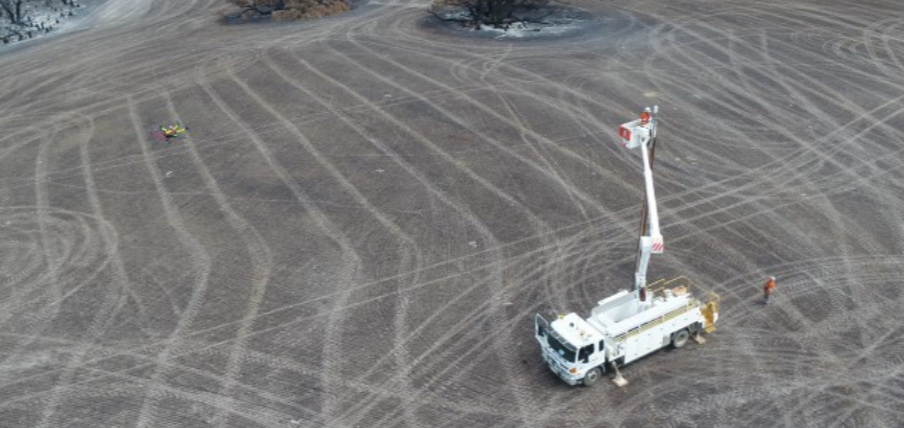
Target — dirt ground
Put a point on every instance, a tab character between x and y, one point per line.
368	210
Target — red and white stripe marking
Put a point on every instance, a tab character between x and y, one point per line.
657	247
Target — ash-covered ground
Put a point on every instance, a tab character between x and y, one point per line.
367	211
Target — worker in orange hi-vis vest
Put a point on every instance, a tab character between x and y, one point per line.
768	289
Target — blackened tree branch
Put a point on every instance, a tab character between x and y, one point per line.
495	13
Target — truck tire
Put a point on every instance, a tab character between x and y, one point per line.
680	338
591	377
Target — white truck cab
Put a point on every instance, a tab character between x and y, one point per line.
571	347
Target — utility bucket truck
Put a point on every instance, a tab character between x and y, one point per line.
630	324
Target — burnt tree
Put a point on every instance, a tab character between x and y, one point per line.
495	13
261	7
13	9
286	10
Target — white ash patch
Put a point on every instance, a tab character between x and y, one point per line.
543	23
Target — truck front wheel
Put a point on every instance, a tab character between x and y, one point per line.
680	338
591	377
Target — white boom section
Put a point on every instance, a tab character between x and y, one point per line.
653	242
642	133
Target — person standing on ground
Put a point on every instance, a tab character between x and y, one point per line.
768	289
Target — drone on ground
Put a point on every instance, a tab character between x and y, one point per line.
165	133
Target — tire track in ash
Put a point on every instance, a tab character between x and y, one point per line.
765	233
799	154
110	238
22	142
210	142
826	95
201	263
448	345
892	33
21	260
706	39
843	362
859	33
570	189
442	341
805	279
729	106
828	269
515	123
770	65
75	253
748	215
775	358
409	252
209	398
78	253
138	43
361	287
456	348
395	157
42	201
215	345
191	146
193	350
555	172
802	154
816	331
865	74
692	206
52	55
417	47
865	154
349	273
450	159
15	224
131	385
512	85
153	93
132	160
251	356
853	183
113	299
62	225
491	62
53	258
515	119
863	49
48	173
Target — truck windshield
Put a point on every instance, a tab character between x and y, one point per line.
564	350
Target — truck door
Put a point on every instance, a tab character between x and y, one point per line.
589	357
599	357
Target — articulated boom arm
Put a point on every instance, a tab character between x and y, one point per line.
652	242
643	133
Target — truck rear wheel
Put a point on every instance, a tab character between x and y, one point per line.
591	377
680	338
